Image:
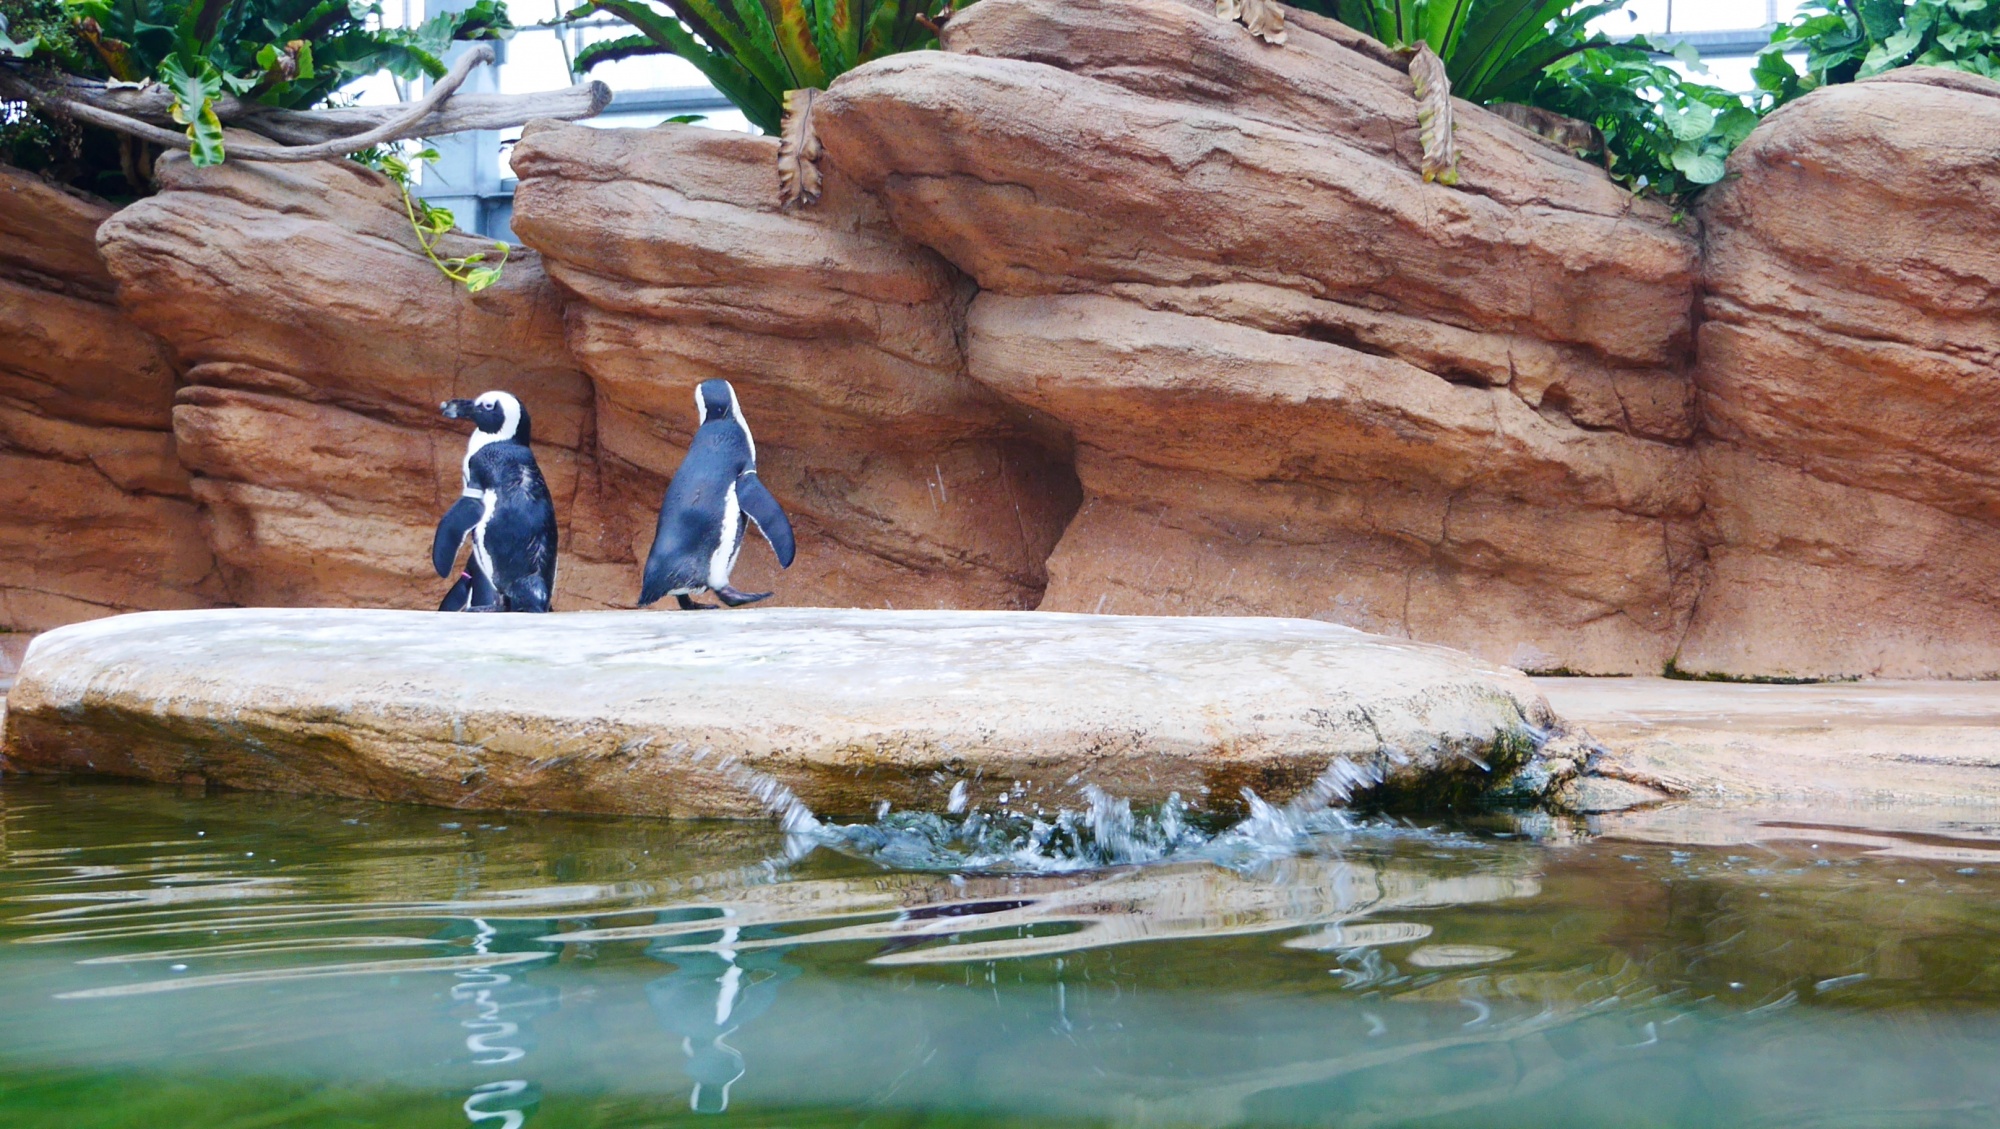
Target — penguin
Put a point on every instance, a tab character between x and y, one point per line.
701	518
505	510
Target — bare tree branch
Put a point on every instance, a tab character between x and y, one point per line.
86	103
154	104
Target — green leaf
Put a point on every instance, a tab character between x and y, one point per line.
480	279
1773	74
1697	165
749	91
1690	122
611	50
194	107
1881	18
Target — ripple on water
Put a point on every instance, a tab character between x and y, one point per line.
1301	966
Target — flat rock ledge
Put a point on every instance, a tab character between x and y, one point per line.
672	714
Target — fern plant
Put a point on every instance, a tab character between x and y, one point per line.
754	51
1491	48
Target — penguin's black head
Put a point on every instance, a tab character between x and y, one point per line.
498	414
715	400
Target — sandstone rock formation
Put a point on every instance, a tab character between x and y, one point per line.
912	486
1848	350
662	715
1299	380
316	343
95	513
1109	306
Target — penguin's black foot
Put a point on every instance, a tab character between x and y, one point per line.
737	599
493	607
688	604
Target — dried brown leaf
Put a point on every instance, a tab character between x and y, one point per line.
799	151
1434	124
1265	19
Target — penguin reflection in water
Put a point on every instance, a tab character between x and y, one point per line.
505	511
701	519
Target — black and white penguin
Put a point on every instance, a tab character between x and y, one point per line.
505	510
701	518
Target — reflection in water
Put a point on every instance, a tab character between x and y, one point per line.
504	1096
498	1007
1045	915
708	996
230	961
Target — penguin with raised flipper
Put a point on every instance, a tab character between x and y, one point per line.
702	517
504	510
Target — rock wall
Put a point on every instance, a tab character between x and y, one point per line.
910	484
1300	381
1852	407
315	343
1108	307
95	512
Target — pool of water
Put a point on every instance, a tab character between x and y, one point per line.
229	961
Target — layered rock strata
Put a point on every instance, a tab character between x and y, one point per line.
96	515
1299	380
1848	348
316	343
1108	307
911	485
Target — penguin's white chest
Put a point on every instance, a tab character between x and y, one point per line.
729	540
487	498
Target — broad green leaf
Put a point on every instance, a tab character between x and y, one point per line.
791	25
1697	165
1881	18
194	107
1690	122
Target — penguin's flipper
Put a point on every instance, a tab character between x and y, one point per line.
737	599
768	516
452	528
460	596
473	591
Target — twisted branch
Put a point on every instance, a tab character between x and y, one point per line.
395	129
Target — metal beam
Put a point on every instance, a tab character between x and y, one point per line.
1734	43
669	100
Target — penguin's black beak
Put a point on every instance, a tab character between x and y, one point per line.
456	409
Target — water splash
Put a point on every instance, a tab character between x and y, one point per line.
1105	832
792	814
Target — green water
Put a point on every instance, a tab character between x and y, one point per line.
230	961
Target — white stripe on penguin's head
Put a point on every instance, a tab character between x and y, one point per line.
496	418
510	414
